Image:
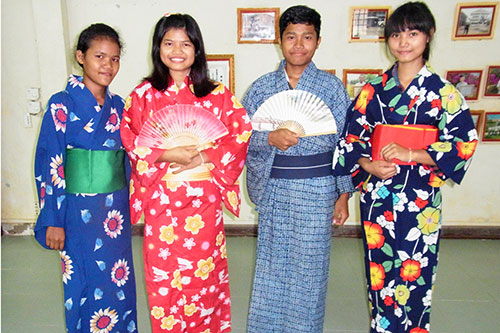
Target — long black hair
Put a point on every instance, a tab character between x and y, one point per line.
412	16
96	31
160	76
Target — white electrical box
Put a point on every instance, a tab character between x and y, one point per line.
34	107
32	94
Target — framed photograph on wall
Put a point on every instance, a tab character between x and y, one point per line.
221	69
355	79
492	85
491	130
258	25
367	23
466	81
478	117
475	20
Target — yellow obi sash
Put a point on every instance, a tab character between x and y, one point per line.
94	171
201	172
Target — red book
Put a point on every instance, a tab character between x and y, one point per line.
409	136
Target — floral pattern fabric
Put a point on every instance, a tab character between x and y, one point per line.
97	267
401	216
185	258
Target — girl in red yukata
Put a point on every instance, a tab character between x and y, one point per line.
185	258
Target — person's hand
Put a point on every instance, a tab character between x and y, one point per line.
341	210
381	169
181	155
394	150
55	237
283	138
195	161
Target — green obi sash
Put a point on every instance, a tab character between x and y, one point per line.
94	171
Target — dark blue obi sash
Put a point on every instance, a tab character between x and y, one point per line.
299	167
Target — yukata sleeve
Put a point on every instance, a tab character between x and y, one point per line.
142	159
229	153
354	142
340	107
50	157
457	137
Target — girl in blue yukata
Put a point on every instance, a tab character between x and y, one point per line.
400	201
81	178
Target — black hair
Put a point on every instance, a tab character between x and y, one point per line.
412	16
300	15
96	31
160	75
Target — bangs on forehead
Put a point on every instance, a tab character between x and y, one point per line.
406	23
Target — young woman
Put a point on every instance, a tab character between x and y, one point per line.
184	244
401	204
81	180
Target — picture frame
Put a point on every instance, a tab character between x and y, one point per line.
221	69
478	118
492	85
491	131
475	20
258	25
468	82
355	79
367	23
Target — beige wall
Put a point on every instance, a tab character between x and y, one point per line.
37	36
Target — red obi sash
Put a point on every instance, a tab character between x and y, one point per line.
409	136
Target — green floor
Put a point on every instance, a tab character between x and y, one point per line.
466	297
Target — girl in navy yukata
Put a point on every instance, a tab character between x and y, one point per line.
82	187
400	204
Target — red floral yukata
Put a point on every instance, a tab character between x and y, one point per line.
184	248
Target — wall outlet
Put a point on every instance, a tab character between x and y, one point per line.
37	209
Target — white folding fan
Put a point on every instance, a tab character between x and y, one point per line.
298	110
180	125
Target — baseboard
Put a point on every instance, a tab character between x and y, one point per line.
250	230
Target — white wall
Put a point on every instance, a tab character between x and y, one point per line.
38	36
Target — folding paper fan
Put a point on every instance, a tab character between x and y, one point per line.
298	110
180	125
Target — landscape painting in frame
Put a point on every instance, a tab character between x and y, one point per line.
491	130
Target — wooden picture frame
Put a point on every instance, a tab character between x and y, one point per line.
221	69
366	23
258	25
475	20
492	84
468	82
332	71
478	118
355	79
491	129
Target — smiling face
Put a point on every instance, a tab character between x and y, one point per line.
177	53
100	62
408	46
298	44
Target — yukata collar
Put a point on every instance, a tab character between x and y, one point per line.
426	70
77	88
172	87
308	71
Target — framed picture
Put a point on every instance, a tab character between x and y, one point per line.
355	79
478	117
367	23
475	20
330	71
492	86
221	69
491	130
258	25
467	82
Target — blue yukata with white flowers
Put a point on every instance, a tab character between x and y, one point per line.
97	267
295	215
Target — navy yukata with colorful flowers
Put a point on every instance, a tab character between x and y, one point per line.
401	215
97	268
